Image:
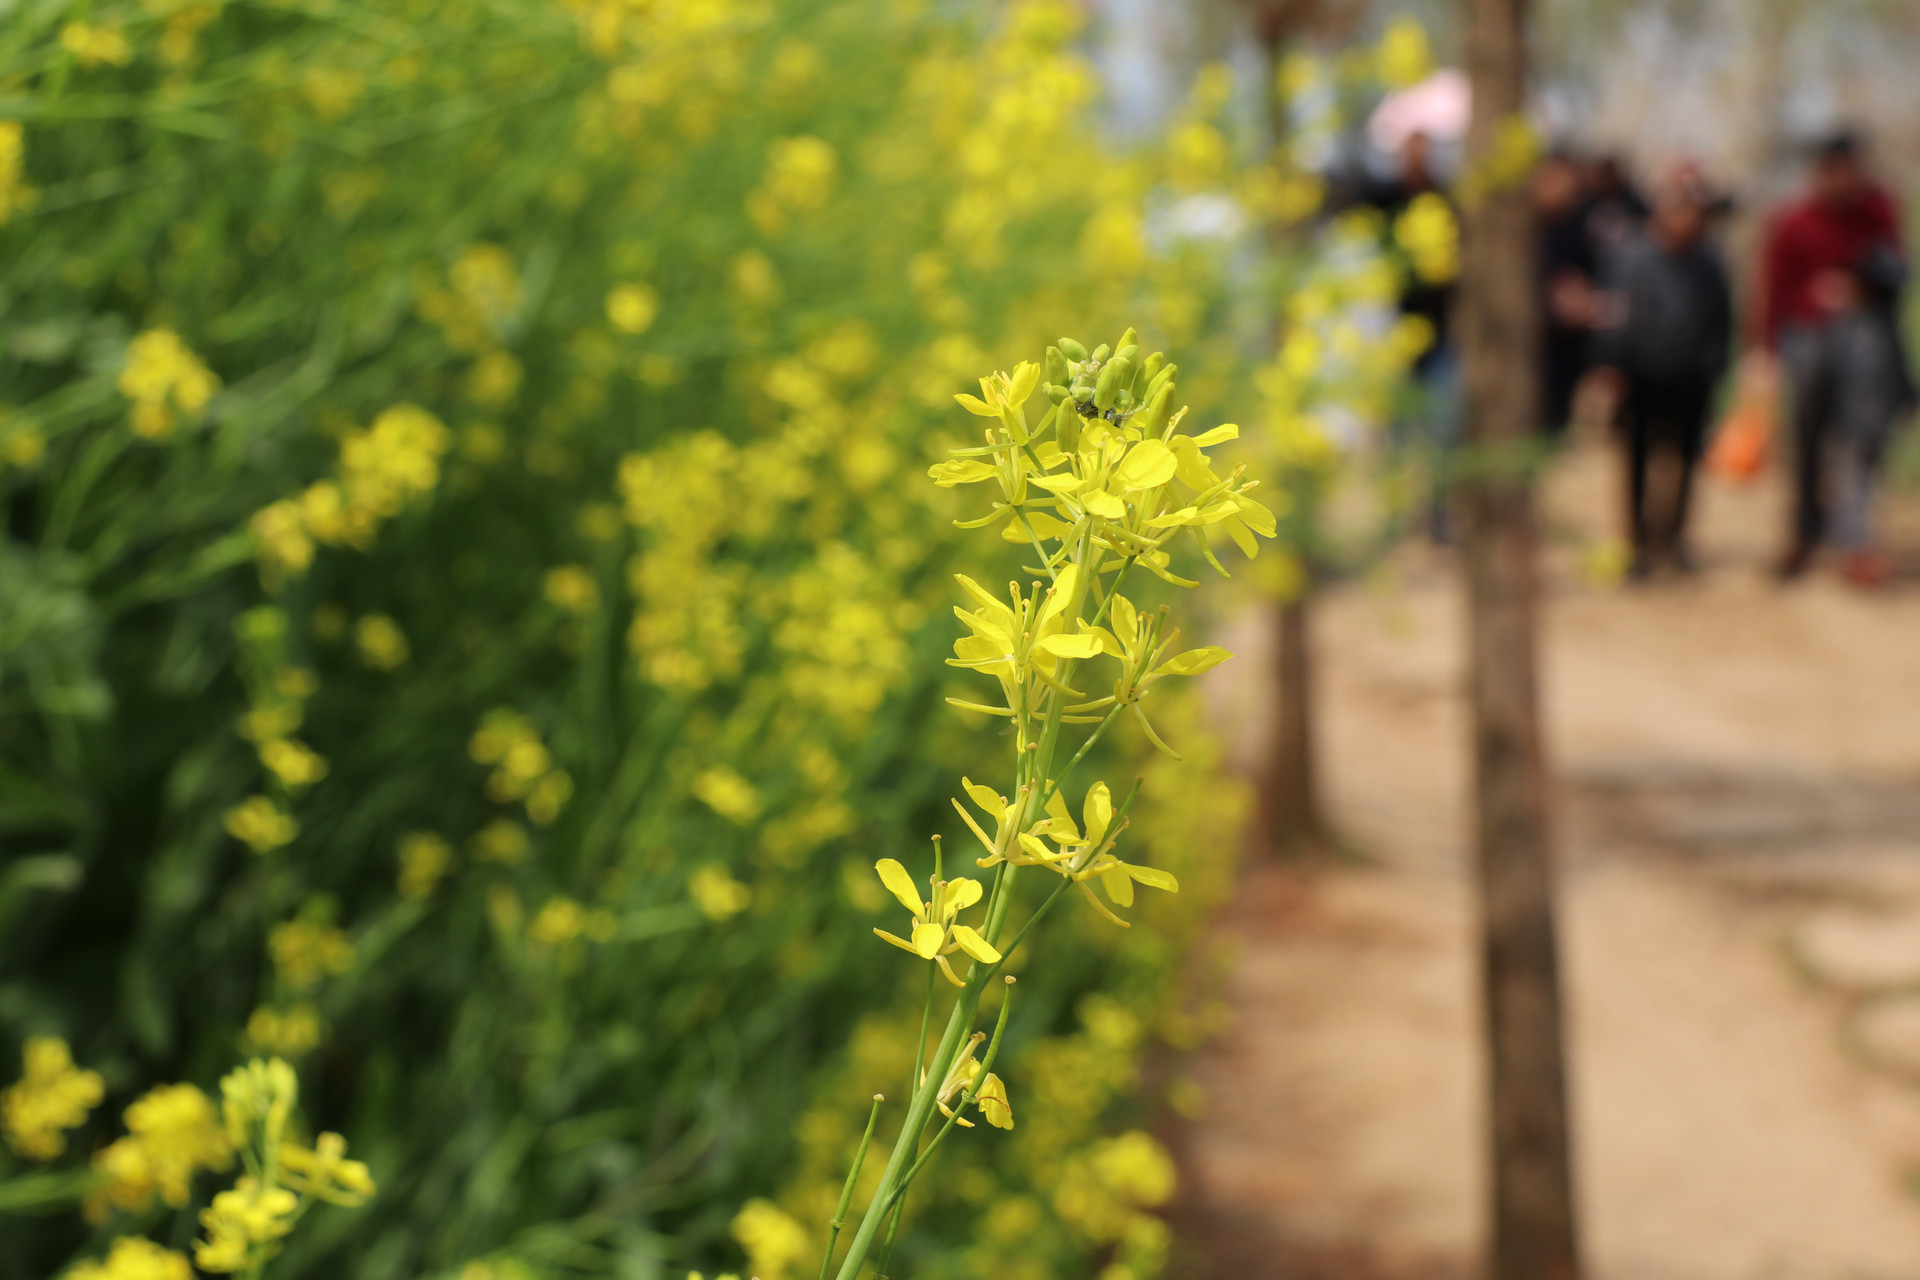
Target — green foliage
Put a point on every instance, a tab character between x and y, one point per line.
471	611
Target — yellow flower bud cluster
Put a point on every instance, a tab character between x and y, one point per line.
523	769
425	860
563	920
51	1096
261	825
172	1133
799	179
305	951
245	1224
163	377
96	45
382	470
135	1258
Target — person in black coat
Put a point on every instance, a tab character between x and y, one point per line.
1663	330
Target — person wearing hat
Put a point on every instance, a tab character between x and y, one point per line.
1663	326
1834	270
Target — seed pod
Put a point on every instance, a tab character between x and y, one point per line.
1057	365
1072	350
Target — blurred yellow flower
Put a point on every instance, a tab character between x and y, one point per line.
306	951
325	1173
775	1242
425	859
289	1032
51	1095
93	46
173	1131
382	645
258	823
717	893
135	1258
631	308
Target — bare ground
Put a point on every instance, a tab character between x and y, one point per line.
1735	761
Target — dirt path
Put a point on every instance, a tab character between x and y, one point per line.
1739	813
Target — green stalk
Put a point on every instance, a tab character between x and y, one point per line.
918	1113
846	1192
966	1098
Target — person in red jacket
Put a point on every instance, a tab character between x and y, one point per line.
1833	272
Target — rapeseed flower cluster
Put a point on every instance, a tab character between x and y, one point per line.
523	769
382	470
51	1096
164	378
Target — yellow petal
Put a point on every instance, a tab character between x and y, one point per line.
977	407
927	940
960	471
1098	812
986	798
1147	465
1114	880
900	885
1026	376
1152	877
901	943
1081	646
1225	431
1194	661
975	945
1102	503
992	1099
961	894
1126	620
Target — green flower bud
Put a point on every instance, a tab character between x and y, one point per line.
1105	390
1127	339
1057	365
1072	350
1154	420
1101	352
1056	393
1082	394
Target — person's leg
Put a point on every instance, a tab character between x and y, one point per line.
1802	352
1636	431
1691	406
1866	398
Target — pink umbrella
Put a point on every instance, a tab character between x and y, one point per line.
1438	106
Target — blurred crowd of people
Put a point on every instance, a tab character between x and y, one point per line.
1639	318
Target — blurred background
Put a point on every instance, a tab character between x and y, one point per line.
472	613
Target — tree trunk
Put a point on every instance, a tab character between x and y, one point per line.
1533	1226
1290	793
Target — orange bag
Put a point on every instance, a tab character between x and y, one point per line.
1740	446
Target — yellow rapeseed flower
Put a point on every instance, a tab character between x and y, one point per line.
425	859
52	1095
325	1173
382	645
936	934
172	1132
306	951
631	308
135	1258
259	824
717	893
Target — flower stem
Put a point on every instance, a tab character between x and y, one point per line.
846	1192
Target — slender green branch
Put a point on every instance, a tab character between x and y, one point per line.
846	1192
966	1099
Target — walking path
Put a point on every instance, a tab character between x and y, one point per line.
1739	822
